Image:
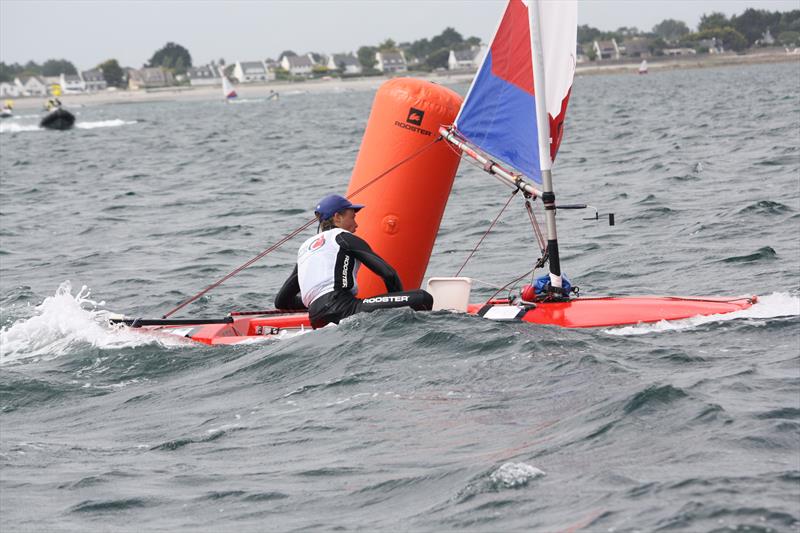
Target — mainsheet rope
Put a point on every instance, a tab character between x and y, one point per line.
487	232
291	235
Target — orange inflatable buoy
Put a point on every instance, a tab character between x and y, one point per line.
404	208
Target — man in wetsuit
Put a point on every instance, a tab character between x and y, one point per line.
324	279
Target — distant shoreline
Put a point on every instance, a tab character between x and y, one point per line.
371	83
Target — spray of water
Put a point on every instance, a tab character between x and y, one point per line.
64	322
775	305
103	124
16	128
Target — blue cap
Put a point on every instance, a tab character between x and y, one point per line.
332	204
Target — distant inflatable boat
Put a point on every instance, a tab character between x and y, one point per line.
59	119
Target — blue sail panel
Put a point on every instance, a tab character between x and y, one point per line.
500	118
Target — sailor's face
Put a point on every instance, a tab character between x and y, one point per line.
346	220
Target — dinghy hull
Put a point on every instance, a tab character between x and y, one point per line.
241	329
611	311
576	313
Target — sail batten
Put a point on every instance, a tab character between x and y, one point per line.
499	114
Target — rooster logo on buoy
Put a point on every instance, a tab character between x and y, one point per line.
415	116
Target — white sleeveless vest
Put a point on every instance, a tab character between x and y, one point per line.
316	264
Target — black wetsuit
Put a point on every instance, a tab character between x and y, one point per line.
338	303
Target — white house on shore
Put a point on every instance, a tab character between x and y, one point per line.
347	63
252	72
9	89
606	49
204	76
71	84
149	78
298	65
469	59
31	86
713	44
94	80
391	62
680	52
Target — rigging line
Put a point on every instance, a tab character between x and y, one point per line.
485	283
487	232
501	289
536	229
415	154
240	268
291	235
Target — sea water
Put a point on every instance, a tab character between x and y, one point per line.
399	420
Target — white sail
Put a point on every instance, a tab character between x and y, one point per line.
228	92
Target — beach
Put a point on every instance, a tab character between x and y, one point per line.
262	90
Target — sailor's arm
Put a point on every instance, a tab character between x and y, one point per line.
358	248
288	296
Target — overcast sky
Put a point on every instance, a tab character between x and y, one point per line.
89	32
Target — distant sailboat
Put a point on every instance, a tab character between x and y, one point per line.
8	109
643	67
227	89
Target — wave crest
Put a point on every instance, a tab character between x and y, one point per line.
63	321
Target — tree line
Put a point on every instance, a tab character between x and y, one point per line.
171	56
422	54
736	33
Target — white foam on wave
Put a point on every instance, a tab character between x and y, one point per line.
6	127
513	475
245	101
115	123
775	305
13	127
64	321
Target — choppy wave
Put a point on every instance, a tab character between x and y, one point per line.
398	420
63	323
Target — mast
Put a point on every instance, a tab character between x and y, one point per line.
543	127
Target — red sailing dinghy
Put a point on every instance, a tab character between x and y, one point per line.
513	113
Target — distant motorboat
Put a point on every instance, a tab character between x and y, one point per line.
58	119
643	67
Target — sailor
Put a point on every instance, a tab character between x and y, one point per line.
324	278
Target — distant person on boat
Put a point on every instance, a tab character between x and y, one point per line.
53	104
324	278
